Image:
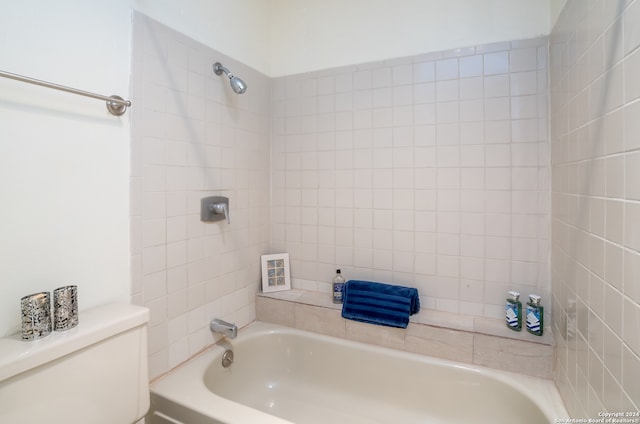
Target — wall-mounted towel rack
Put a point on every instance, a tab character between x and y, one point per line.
116	105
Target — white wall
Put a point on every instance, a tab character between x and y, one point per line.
426	172
285	37
555	7
237	28
193	137
595	220
308	35
64	161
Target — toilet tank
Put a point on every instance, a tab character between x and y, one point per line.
92	374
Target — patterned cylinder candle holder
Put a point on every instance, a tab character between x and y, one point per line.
36	316
65	308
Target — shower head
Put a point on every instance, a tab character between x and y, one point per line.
237	85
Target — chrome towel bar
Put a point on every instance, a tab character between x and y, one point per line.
116	105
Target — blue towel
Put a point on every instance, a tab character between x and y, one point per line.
378	303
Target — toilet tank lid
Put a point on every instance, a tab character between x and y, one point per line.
96	324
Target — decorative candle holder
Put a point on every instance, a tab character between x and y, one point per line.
65	308
36	316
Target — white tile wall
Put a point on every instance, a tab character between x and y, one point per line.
595	219
429	171
193	137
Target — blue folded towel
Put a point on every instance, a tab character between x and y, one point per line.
378	303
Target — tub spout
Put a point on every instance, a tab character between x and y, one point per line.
223	327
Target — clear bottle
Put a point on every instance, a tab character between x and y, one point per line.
337	287
514	311
535	315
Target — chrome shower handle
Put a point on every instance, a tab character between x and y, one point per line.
214	208
221	209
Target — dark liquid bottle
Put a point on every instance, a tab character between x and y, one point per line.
535	315
337	287
514	311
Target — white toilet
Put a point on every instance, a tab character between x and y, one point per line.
92	374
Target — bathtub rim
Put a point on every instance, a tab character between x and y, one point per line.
185	384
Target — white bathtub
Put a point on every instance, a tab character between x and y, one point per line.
282	375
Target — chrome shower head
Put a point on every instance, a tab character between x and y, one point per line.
237	85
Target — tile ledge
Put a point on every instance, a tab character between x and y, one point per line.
428	317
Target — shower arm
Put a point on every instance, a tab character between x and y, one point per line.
218	69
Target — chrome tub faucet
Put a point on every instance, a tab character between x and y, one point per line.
224	328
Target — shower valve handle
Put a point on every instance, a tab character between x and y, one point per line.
214	208
221	209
